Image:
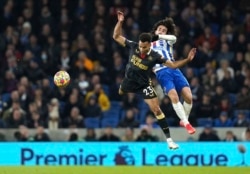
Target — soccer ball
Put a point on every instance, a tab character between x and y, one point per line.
61	79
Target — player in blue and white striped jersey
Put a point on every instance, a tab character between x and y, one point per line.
172	81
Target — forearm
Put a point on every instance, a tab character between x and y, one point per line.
167	37
180	63
117	30
176	64
117	35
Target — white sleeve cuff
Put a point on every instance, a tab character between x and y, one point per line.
168	37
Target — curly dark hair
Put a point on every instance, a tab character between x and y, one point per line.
167	22
145	37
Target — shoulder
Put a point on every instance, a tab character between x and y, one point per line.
155	53
130	43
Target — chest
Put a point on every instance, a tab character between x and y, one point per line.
143	62
159	44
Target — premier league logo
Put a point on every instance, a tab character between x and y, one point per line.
242	149
124	156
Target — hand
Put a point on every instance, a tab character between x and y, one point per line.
120	16
154	37
191	54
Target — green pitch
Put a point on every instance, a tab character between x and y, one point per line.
124	170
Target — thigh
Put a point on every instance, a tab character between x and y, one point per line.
180	81
166	81
147	92
128	86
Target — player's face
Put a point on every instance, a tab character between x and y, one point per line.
144	47
161	29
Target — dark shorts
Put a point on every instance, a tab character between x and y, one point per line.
146	90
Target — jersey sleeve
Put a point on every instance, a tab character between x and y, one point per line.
130	43
171	39
159	58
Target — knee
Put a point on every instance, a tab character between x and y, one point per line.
187	95
173	95
188	99
156	110
174	98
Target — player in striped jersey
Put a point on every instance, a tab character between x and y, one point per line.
172	80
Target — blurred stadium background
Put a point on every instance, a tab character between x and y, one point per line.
40	37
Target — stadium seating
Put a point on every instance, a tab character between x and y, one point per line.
143	109
5	97
109	122
91	122
106	89
61	106
112	116
232	98
202	122
246	112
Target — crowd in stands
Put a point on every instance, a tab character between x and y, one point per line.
146	133
40	37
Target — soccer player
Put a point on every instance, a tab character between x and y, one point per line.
172	80
141	61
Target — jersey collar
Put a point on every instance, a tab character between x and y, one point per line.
137	51
149	51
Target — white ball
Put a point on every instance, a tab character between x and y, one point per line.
61	79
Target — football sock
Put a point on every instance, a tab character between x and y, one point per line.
180	112
162	122
187	107
169	140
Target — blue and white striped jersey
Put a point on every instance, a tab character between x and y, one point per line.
165	48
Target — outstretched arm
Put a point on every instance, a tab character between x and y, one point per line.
180	63
117	35
167	37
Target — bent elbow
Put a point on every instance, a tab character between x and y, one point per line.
115	36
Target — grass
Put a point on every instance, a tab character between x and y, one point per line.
122	170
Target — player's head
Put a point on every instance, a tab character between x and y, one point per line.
165	26
144	42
